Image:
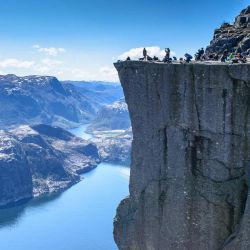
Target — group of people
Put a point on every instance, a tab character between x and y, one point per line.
201	55
233	57
167	58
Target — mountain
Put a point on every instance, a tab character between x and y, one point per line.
40	159
233	37
115	149
43	99
112	117
100	92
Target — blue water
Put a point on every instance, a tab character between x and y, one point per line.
80	218
80	131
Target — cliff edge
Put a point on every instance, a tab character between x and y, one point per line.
190	157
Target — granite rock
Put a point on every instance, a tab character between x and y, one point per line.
190	157
233	37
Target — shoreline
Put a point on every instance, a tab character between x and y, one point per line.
65	186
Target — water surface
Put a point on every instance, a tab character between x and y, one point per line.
80	218
81	132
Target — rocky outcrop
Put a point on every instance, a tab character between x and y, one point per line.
41	159
190	157
111	117
233	37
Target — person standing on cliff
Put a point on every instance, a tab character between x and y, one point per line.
145	54
167	56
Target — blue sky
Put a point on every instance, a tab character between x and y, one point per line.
79	39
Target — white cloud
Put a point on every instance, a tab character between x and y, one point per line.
41	69
108	70
79	74
109	73
47	65
49	51
60	73
15	63
51	63
103	74
136	53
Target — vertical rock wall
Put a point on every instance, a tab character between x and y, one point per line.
190	157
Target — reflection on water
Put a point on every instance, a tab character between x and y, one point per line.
80	218
11	216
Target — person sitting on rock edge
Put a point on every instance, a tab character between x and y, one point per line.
231	56
243	59
224	56
155	58
188	57
216	57
149	58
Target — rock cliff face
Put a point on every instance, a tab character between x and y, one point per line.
233	37
190	157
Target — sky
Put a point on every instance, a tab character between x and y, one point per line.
80	39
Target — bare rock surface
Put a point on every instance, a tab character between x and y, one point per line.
190	157
233	37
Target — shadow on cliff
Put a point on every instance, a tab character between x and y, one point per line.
11	216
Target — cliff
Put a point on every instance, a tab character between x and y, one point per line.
190	157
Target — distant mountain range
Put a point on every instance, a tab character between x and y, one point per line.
102	92
112	117
43	99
